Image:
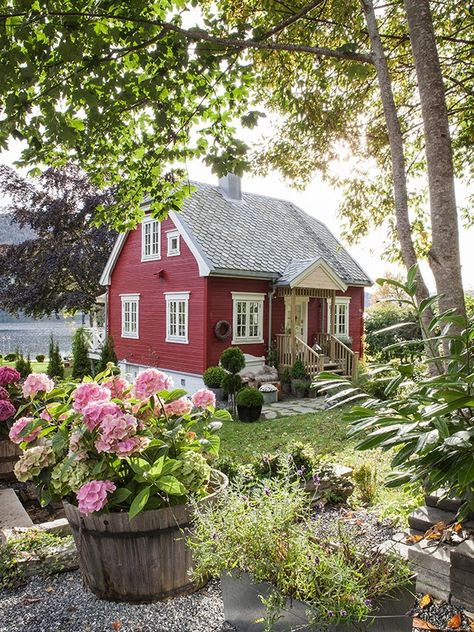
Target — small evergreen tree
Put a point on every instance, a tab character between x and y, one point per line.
81	364
233	361
22	365
55	364
107	355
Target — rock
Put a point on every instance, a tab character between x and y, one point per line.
12	512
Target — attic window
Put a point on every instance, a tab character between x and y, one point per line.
173	243
151	236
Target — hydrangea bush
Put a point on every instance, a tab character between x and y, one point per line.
10	395
107	445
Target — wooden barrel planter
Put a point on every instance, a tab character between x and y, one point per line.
9	453
142	560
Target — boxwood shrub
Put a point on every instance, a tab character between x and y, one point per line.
214	376
249	397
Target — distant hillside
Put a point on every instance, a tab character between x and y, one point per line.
11	232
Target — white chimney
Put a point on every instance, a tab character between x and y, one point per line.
231	187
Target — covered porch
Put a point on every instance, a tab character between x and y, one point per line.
320	349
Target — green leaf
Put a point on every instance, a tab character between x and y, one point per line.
119	496
139	502
171	486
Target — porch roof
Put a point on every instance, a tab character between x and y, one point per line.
311	273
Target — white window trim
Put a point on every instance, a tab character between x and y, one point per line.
247	296
171	234
340	300
170	297
130	298
153	257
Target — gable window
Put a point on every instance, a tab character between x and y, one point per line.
151	234
130	304
341	319
177	312
173	243
248	317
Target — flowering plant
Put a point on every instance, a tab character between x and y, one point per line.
105	444
268	388
10	395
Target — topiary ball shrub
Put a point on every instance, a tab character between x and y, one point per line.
232	360
40	357
249	404
213	377
231	383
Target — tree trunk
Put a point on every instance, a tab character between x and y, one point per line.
395	137
444	256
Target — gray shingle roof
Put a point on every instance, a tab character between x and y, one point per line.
261	234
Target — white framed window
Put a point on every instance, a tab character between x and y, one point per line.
341	319
172	237
248	317
177	314
130	315
151	239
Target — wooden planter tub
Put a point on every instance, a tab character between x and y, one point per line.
9	453
243	608
142	560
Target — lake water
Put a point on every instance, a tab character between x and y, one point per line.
33	338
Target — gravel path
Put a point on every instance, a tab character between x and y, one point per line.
62	604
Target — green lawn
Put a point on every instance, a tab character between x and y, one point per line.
38	367
327	433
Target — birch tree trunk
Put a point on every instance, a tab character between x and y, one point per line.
444	255
395	137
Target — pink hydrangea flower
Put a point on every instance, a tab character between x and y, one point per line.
37	383
4	394
113	429
93	496
7	409
130	446
182	406
76	446
15	431
150	382
88	392
118	386
203	398
95	412
47	416
8	375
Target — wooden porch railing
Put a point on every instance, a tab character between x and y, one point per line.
313	362
96	337
339	353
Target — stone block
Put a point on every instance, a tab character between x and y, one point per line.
430	558
424	518
462	595
446	504
12	512
463	577
463	556
438	592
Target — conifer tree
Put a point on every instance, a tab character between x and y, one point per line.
81	364
107	354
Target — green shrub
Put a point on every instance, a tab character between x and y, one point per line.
55	364
300	384
387	314
22	365
231	383
214	376
10	357
232	360
285	376
365	478
249	397
298	371
81	364
107	355
40	357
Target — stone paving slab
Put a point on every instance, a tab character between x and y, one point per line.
12	512
291	407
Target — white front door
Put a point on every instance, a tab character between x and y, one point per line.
301	317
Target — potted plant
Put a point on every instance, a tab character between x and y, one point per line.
10	399
126	459
269	392
213	378
298	372
249	404
300	388
285	379
282	570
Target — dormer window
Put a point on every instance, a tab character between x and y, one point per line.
173	243
151	233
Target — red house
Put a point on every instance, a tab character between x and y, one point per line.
233	268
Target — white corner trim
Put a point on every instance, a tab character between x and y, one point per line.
203	266
106	277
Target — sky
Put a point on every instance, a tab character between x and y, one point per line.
320	200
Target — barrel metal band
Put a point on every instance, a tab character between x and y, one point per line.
134	534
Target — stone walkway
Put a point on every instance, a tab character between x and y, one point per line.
290	407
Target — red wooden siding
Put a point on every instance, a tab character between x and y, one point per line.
220	307
150	279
